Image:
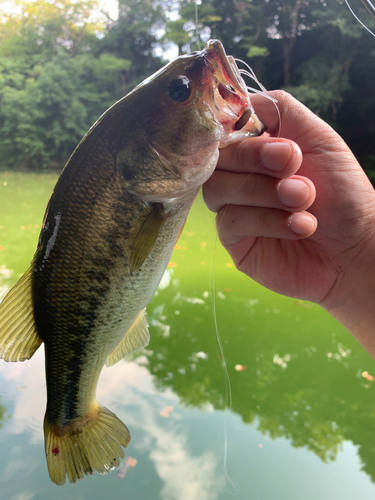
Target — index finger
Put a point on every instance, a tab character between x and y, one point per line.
262	155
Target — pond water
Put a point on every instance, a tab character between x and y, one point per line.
302	421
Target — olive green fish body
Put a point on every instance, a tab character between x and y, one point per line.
108	233
85	297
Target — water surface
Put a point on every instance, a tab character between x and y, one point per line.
301	425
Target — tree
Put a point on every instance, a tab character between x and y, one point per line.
42	28
134	37
54	82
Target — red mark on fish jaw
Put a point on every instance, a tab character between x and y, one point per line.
55	451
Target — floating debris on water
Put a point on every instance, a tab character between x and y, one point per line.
166	412
129	462
367	376
240	368
201	355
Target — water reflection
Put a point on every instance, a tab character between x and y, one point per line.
301	384
312	394
2	414
128	389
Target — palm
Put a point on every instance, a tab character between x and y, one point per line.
300	269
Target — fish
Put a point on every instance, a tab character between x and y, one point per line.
108	232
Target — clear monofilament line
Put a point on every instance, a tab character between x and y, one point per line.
262	89
369	7
196	25
251	74
274	102
228	385
360	22
228	388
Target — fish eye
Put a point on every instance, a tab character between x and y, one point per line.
179	89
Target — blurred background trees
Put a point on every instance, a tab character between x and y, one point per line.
62	63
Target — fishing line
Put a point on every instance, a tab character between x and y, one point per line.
360	22
263	91
196	25
369	7
228	387
250	73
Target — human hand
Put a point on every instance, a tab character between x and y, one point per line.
313	240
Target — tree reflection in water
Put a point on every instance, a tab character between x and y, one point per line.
303	371
2	414
303	377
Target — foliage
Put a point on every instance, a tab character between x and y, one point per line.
62	78
302	380
42	27
316	50
133	37
63	63
322	86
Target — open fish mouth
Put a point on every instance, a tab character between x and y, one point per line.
230	98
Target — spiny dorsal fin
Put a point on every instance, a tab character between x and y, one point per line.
147	235
19	338
136	338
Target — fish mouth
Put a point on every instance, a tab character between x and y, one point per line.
228	94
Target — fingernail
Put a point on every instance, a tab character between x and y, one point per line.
293	192
302	223
276	155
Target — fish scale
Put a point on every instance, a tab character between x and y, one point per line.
108	233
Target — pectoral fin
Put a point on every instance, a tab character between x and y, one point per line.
19	338
147	236
136	338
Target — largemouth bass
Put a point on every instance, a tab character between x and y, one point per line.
108	232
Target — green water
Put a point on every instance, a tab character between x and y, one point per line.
302	421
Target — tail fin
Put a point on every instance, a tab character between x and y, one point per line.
92	445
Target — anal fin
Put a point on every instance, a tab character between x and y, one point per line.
136	338
19	338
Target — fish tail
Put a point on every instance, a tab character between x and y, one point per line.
89	445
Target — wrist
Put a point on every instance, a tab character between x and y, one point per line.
351	299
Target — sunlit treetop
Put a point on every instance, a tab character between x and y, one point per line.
43	27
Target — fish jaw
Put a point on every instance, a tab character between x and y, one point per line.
228	96
218	112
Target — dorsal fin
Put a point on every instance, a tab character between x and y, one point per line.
136	338
19	338
147	236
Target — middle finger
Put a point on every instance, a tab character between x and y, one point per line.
294	194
